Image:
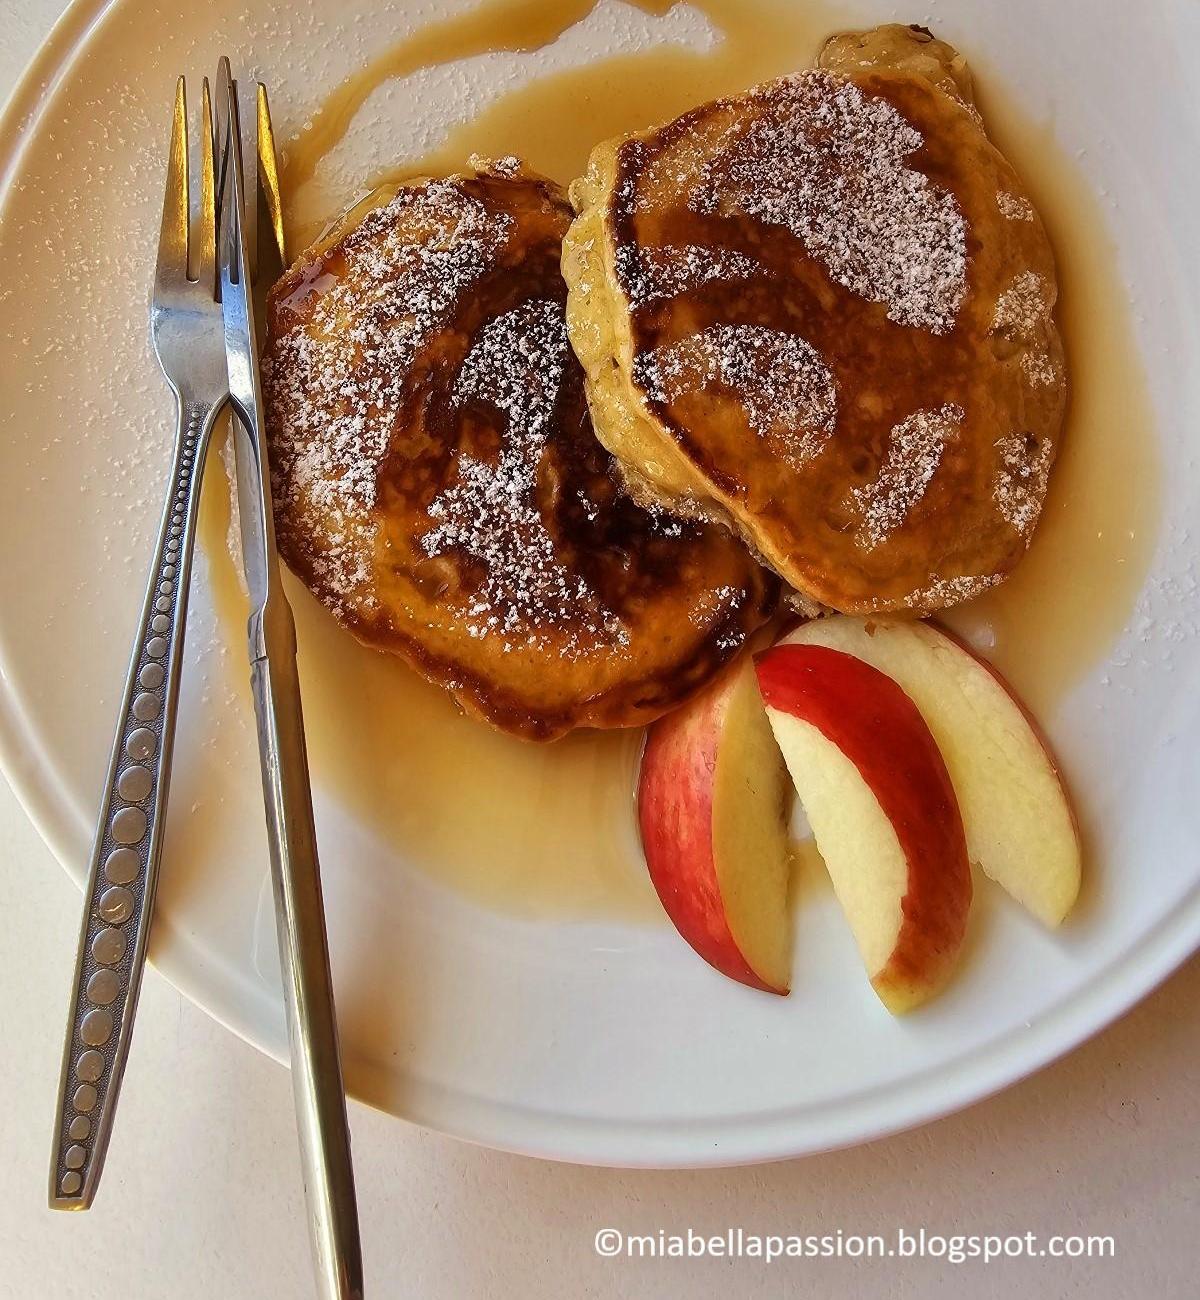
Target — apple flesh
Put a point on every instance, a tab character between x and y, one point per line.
712	802
882	809
1020	826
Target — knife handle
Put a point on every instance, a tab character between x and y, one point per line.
304	954
119	894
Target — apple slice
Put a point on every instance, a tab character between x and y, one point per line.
1020	826
882	809
712	802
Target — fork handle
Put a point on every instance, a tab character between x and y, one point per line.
119	895
304	952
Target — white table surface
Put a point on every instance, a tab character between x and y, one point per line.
202	1197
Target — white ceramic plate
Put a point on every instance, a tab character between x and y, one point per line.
575	1038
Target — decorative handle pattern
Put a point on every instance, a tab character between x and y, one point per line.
119	896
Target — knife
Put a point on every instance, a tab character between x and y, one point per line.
303	946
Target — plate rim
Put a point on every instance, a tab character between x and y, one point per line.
1121	983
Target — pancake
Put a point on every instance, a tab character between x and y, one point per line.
438	485
822	310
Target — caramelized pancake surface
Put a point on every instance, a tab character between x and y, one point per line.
438	485
823	311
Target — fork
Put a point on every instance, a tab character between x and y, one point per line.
187	330
317	1084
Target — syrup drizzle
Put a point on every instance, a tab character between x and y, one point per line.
549	830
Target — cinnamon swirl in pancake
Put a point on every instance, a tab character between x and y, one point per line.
822	311
438	485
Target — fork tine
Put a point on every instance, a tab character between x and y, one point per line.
173	235
220	123
268	173
206	266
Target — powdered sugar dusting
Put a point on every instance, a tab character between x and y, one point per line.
914	452
1014	207
829	163
509	167
1020	484
333	386
1024	306
489	512
1040	369
788	392
712	605
941	593
651	274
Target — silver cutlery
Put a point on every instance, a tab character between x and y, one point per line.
186	327
303	947
206	313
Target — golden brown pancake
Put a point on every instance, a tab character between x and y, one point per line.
438	485
822	310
